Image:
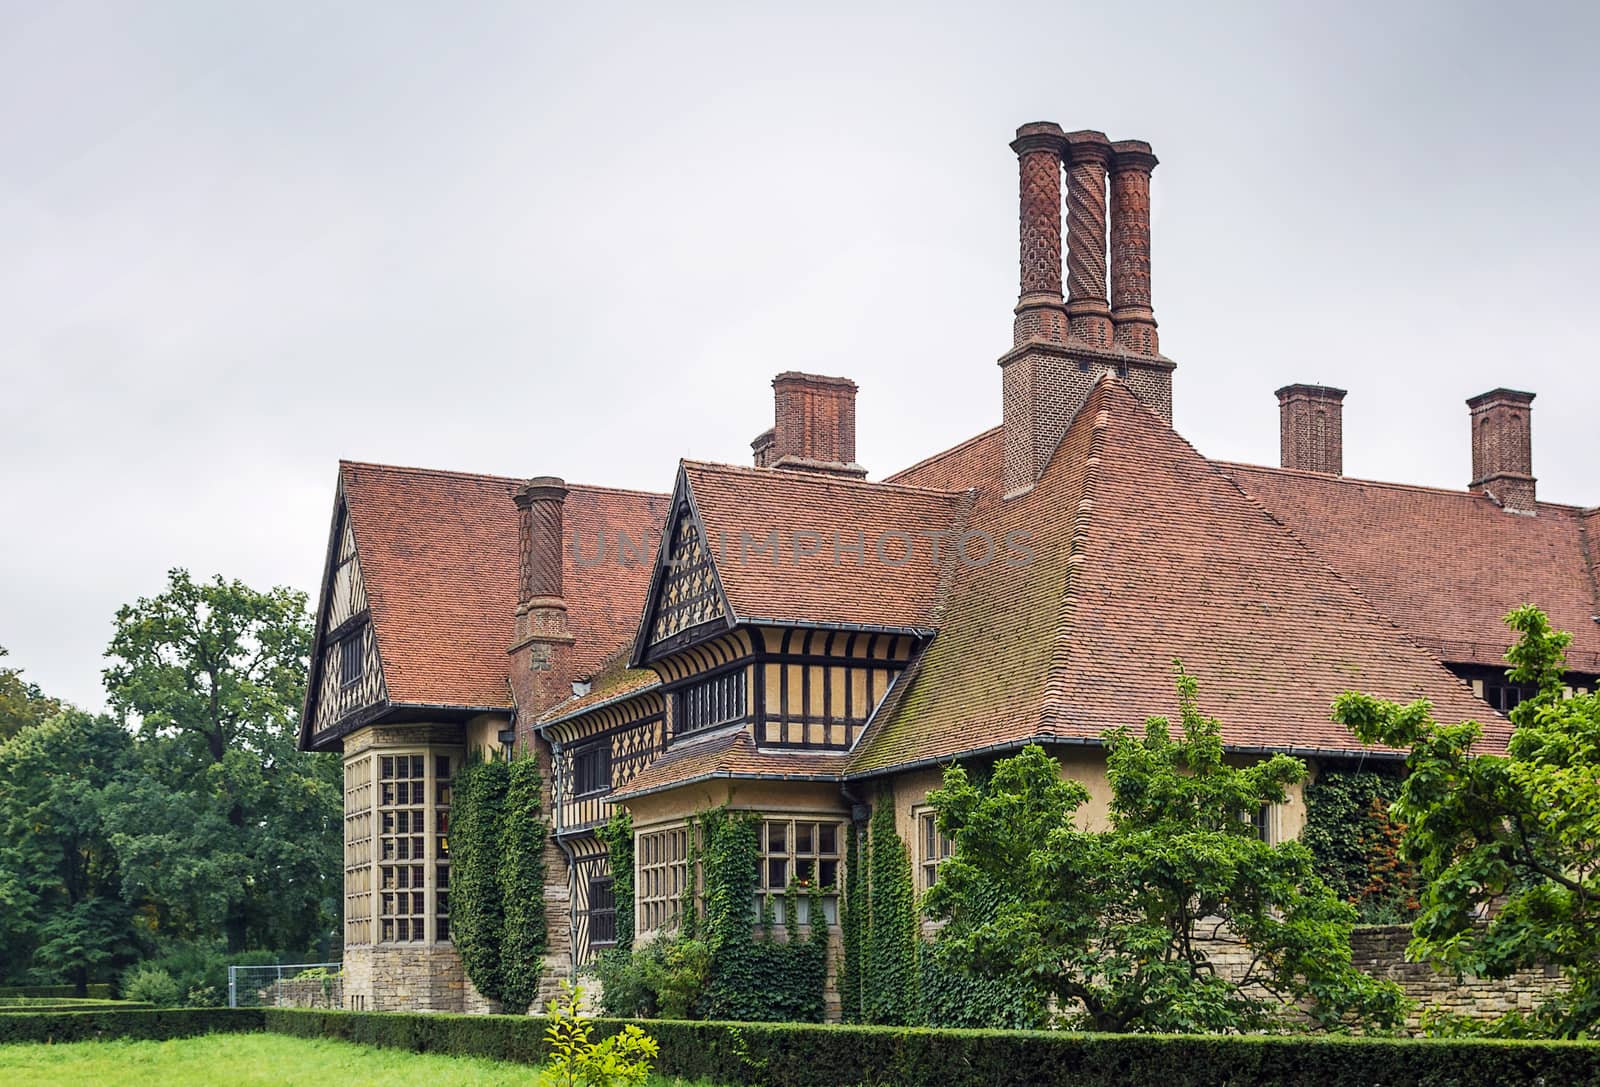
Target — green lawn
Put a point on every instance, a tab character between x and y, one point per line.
251	1060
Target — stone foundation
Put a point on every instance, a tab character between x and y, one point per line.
416	978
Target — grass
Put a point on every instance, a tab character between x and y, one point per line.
253	1060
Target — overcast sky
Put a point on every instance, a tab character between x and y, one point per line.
243	241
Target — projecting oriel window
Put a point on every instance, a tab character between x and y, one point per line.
711	702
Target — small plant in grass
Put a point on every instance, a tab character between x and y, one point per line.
576	1060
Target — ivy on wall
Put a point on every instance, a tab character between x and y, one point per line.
1357	844
522	872
853	907
754	975
477	915
891	987
617	835
497	873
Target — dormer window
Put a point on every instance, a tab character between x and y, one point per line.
719	700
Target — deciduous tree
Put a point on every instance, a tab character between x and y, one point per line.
1508	846
1109	922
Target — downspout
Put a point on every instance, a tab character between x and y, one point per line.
572	862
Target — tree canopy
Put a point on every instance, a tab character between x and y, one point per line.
1120	925
1507	845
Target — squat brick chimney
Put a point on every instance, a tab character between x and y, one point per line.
1311	428
1502	448
814	426
1061	348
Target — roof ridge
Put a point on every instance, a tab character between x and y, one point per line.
1305	473
824	479
1052	697
974	440
490	477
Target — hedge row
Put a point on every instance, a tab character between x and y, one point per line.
96	991
157	1025
48	1005
803	1055
800	1055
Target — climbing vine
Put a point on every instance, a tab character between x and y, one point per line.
891	983
522	870
754	975
617	835
1357	844
497	874
477	914
852	917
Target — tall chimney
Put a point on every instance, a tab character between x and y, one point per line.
1502	448
1061	350
541	618
814	426
1040	314
1130	247
1311	428
1088	311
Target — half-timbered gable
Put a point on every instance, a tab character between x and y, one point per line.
346	672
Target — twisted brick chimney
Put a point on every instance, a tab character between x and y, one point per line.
1502	448
1311	428
814	426
541	637
1061	347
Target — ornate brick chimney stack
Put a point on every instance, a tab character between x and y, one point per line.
1130	248
1502	448
541	636
814	426
1311	428
1060	349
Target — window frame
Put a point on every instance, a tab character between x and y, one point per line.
933	847
587	750
791	855
352	658
728	688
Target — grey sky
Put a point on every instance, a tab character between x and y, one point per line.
244	241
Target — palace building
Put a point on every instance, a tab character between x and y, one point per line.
795	640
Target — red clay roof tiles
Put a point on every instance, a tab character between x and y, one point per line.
438	554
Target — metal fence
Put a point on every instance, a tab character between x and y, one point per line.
286	985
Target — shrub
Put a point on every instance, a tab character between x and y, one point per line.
577	1059
148	1024
96	991
809	1055
624	994
151	985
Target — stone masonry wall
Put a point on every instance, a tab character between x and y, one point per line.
1380	950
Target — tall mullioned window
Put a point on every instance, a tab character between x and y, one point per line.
413	846
663	860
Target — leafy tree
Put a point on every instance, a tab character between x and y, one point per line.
63	914
22	704
226	826
1515	837
1107	922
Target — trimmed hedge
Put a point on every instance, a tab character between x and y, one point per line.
96	991
157	1025
72	1006
808	1055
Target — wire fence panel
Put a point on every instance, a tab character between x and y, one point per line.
286	985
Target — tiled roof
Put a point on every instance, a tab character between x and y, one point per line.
742	507
1144	552
730	754
1446	565
438	554
614	682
